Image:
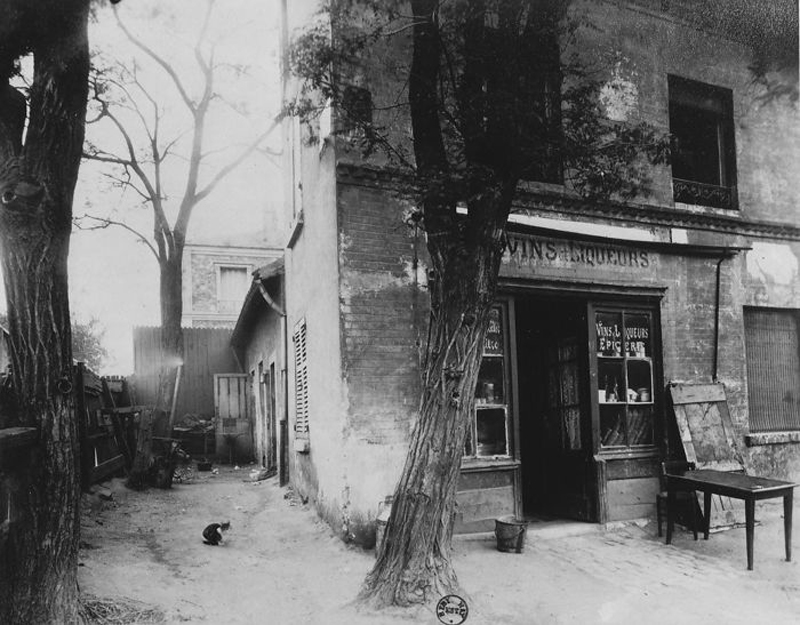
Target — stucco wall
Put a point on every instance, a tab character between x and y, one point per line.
264	345
312	276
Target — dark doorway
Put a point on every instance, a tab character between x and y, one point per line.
554	409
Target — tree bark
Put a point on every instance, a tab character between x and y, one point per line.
38	576
414	563
414	566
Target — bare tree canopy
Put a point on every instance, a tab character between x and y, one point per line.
147	134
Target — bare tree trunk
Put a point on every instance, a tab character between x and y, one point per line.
143	472
171	290
38	575
414	563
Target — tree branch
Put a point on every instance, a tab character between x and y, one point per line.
159	60
238	161
104	222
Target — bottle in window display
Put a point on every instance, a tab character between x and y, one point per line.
612	392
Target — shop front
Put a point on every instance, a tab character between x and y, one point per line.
569	419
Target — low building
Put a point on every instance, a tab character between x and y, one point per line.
601	305
259	343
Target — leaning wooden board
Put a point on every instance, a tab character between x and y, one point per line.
708	439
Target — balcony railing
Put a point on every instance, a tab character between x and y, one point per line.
690	192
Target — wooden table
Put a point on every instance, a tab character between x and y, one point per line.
738	486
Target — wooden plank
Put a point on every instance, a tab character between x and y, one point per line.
601	479
708	439
485	479
631	499
11	438
107	468
487	503
632	468
696	393
473	527
123	410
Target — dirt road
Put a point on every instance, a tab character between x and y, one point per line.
279	563
282	565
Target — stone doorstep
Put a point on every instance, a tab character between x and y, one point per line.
548	530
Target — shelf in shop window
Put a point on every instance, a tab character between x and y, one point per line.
489	406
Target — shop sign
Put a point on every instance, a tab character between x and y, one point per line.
543	251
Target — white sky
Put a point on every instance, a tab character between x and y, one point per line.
112	276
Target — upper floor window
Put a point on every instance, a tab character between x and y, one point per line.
233	282
356	108
704	153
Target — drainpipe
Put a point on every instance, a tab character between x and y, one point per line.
716	320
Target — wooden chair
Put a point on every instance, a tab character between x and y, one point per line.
682	498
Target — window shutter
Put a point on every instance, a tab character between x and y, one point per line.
300	378
773	369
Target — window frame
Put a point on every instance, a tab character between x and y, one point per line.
654	359
504	359
688	96
218	300
758	424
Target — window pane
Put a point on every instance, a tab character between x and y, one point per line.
612	426
493	341
491	426
572	428
608	327
640	381
233	285
640	425
489	389
611	378
638	341
697	142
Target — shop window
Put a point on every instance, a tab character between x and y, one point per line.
703	151
772	354
488	433
300	378
624	349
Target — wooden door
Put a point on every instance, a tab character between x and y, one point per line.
568	431
272	412
231	409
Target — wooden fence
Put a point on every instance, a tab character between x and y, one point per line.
207	351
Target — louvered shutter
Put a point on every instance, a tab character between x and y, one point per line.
773	369
300	378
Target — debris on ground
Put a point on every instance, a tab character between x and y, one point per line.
118	611
256	475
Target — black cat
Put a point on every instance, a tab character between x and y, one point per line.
212	535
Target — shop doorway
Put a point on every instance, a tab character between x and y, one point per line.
554	409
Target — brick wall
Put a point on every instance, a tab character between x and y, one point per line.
383	310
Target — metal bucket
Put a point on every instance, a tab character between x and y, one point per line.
510	533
